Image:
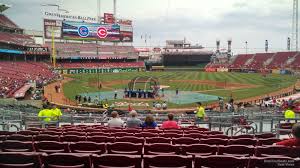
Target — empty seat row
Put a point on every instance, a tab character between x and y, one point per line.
81	160
147	149
165	138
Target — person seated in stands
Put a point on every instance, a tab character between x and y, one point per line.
115	121
293	141
170	123
133	121
149	122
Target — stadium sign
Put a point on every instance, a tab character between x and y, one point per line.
69	17
97	70
102	32
83	31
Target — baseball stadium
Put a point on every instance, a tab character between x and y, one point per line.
82	90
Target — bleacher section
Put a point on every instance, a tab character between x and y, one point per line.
240	61
260	61
5	21
280	59
17	39
98	146
14	75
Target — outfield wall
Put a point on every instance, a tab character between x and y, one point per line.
97	70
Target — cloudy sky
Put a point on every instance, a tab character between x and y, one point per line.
199	21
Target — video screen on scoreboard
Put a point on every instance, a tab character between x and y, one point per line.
91	31
52	28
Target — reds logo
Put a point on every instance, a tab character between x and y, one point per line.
102	32
83	31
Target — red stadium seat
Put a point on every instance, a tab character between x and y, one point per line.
185	140
19	137
171	135
124	148
221	136
220	161
67	160
87	147
243	141
131	139
146	134
243	136
163	161
115	160
268	141
199	149
28	132
101	139
158	140
236	150
17	146
98	134
51	147
51	132
72	138
6	133
20	160
214	141
212	132
74	133
45	137
160	148
265	135
121	134
196	135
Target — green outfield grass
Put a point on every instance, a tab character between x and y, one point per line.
264	85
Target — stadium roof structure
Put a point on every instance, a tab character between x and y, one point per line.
4	7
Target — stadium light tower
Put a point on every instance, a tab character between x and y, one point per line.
295	26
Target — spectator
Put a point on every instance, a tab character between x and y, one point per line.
149	122
293	141
84	99
56	114
133	122
115	121
170	123
164	105
157	106
200	113
89	99
45	114
289	114
221	104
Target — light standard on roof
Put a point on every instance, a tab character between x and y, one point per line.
246	45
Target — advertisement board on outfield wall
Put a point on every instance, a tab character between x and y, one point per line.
96	70
52	26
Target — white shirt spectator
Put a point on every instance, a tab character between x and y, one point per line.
115	122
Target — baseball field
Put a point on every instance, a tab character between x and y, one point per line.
205	84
